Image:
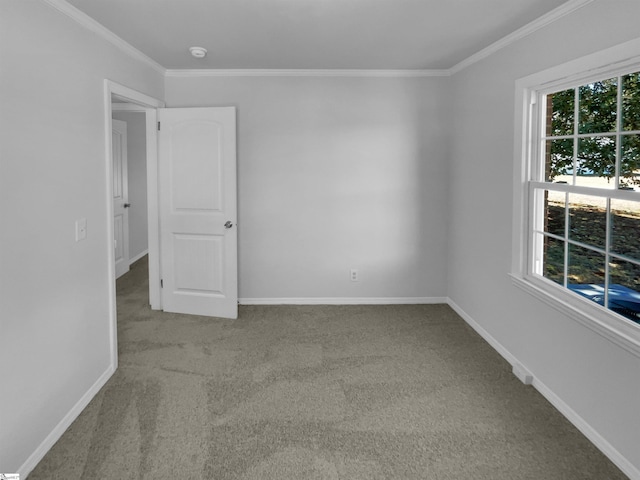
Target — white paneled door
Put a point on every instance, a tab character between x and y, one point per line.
198	232
120	197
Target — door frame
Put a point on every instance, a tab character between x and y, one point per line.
138	102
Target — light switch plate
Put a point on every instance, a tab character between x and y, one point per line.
81	229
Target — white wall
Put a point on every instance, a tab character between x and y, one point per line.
594	378
137	172
54	301
335	173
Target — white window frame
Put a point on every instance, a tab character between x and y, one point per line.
618	60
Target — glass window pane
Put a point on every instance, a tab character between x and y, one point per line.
553	259
630	163
624	289
625	228
631	102
561	113
585	267
555	214
596	163
588	220
559	161
597	106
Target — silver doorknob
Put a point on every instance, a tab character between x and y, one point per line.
126	205
228	224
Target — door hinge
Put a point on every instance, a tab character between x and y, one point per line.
161	284
158	126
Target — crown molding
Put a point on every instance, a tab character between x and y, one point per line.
541	22
303	73
90	24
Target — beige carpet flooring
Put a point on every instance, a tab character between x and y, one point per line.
314	392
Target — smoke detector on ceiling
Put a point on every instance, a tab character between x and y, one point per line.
198	52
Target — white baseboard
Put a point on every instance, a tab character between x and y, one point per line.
343	301
138	257
587	430
619	460
65	423
497	346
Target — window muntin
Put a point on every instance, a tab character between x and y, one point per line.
631	102
585	192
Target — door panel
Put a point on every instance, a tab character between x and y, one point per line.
120	197
118	246
193	255
197	169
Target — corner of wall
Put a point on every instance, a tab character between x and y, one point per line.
39	453
580	423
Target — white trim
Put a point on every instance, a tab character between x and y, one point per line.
343	301
93	26
133	96
138	257
629	195
148	105
497	346
97	28
588	431
523	123
537	24
153	209
613	60
576	420
586	312
126	107
111	272
303	73
39	453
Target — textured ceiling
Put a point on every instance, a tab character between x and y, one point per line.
313	34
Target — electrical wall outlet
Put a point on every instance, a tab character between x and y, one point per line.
354	274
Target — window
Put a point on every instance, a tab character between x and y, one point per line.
577	244
586	210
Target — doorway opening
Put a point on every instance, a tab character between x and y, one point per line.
129	186
140	110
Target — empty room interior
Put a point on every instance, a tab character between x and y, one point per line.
336	239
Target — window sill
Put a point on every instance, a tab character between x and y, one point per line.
617	330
